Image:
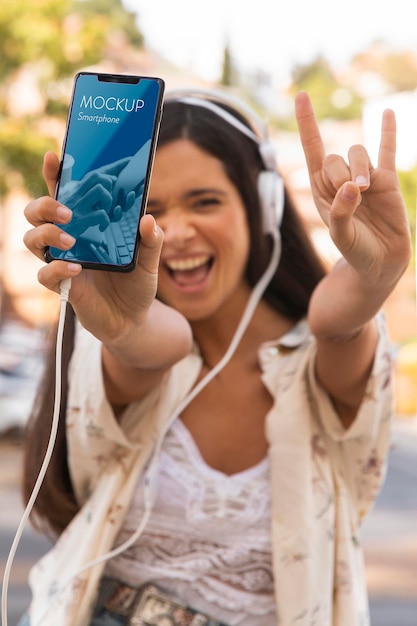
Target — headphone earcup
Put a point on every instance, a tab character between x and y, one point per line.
271	197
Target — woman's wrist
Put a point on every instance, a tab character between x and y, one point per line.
155	341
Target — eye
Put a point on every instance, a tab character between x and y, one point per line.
206	203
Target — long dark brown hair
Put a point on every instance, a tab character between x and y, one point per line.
289	292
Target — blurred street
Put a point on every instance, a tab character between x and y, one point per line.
389	534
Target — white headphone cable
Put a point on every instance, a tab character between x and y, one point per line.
65	287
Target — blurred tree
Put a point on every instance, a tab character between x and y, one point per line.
331	99
229	77
409	190
397	69
42	45
121	19
400	71
26	33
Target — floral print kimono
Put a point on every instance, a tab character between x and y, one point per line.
324	480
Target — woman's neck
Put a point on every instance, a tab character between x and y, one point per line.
213	335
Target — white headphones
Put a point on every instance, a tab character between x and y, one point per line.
270	183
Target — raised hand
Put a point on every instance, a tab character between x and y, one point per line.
361	205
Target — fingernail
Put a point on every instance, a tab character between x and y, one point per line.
349	192
63	213
361	180
74	268
66	239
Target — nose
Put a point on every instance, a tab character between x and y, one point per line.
177	226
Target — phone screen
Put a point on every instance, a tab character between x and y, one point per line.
106	165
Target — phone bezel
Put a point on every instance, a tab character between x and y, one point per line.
114	78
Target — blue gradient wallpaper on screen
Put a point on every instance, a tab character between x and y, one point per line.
105	165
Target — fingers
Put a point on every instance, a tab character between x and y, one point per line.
97	196
360	166
336	170
93	179
94	218
150	245
51	274
46	209
116	167
345	202
309	132
388	145
50	171
41	213
130	200
37	239
341	226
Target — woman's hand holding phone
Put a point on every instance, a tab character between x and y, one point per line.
120	309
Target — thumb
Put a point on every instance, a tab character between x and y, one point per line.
151	239
50	171
342	210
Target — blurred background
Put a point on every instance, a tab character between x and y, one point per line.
354	64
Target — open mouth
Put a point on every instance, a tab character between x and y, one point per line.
191	271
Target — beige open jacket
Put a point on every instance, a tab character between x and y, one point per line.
323	480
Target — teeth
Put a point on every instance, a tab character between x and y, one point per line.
187	264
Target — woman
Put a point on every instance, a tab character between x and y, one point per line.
241	494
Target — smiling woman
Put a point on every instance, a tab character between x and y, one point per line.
220	441
206	238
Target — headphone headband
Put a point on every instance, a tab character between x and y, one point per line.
270	183
228	117
201	95
257	131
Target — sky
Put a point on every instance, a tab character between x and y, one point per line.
270	34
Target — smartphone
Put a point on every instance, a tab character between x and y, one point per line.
106	164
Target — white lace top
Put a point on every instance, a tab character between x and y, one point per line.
208	540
